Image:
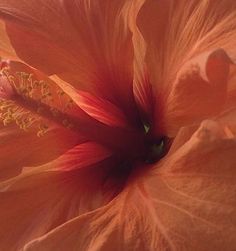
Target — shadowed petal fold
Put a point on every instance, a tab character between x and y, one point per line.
142	87
199	91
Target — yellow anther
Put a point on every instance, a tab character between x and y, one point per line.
60	93
36	84
42	130
67	124
44	97
40	109
55	112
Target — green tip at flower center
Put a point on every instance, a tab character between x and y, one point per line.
155	151
146	127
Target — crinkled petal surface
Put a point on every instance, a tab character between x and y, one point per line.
174	37
177	45
199	92
184	203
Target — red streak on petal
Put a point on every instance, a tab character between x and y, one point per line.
100	109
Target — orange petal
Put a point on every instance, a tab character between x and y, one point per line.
6	49
193	192
99	109
173	36
37	202
121	225
231	90
187	202
227	119
19	148
30	133
183	135
82	155
141	84
89	45
199	92
42	104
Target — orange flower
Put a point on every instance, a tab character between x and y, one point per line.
118	129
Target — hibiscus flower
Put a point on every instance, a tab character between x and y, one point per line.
117	125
